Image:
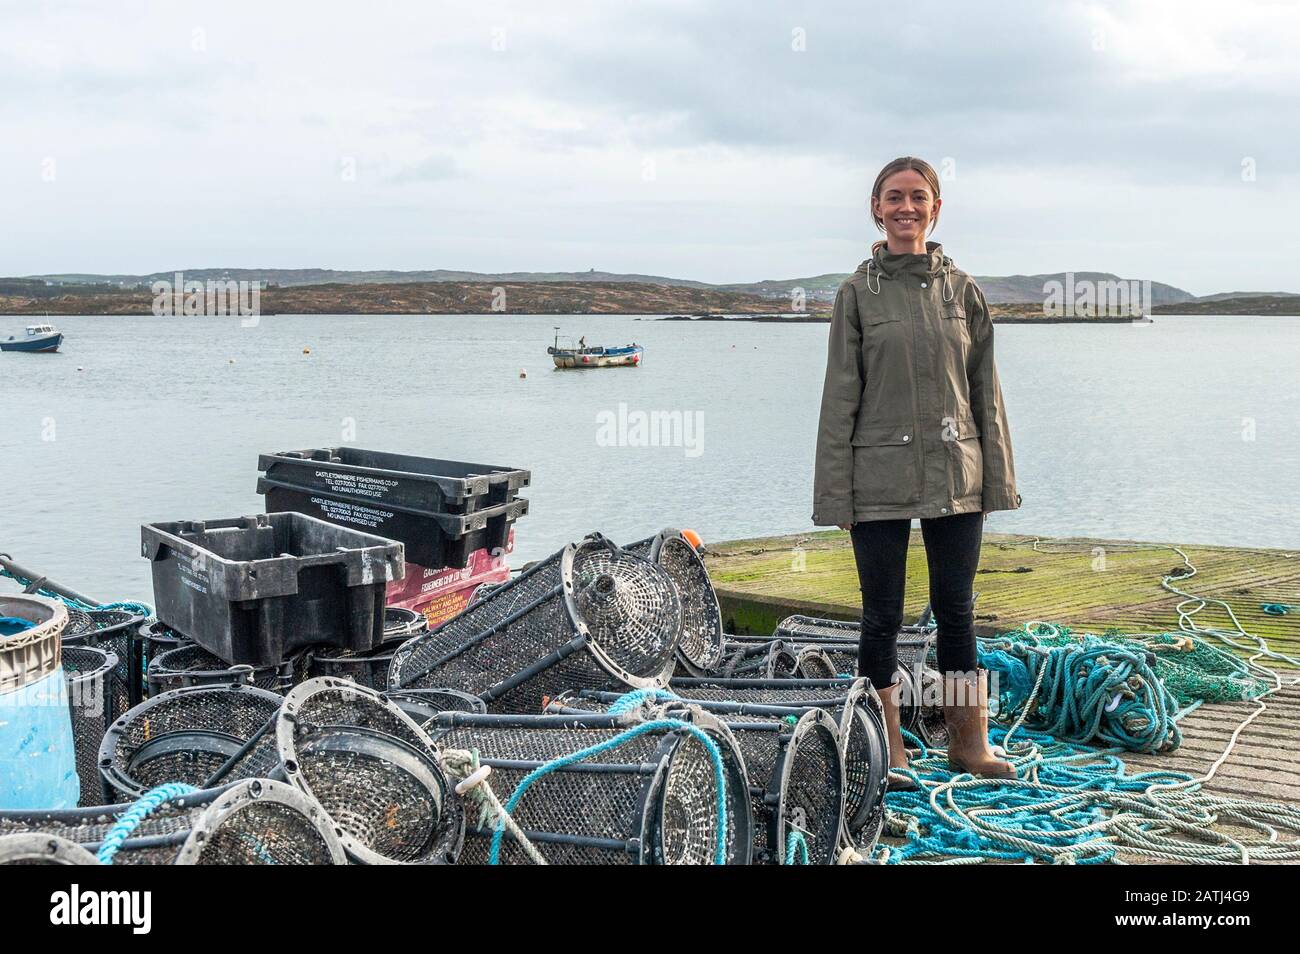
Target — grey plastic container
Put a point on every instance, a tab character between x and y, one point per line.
442	510
396	480
251	590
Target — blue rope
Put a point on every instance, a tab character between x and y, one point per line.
795	841
131	818
1034	813
631	700
1090	690
130	606
719	777
1276	609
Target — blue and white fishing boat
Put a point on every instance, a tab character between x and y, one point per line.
582	356
39	339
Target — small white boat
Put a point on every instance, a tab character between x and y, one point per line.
39	339
581	356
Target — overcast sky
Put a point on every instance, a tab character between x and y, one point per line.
715	141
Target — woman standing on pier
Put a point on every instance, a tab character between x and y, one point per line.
913	426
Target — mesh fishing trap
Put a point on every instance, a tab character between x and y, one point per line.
188	735
369	669
116	632
770	659
592	615
856	709
700	648
795	765
373	769
257	821
854	705
191	665
91	676
651	798
158	638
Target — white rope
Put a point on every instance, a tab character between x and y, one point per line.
463	765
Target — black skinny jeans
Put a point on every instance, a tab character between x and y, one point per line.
952	551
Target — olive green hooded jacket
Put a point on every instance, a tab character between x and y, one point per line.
912	418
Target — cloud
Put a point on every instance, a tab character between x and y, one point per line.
718	141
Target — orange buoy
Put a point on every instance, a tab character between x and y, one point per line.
693	538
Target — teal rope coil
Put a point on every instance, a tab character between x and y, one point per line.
130	819
719	777
1089	690
1276	609
1050	817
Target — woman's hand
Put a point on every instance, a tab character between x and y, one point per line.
846	526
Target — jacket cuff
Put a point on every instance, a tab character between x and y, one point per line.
832	514
1000	500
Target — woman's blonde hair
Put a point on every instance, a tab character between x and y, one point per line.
898	165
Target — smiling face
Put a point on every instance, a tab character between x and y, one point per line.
907	206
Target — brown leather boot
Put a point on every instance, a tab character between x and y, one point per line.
966	713
889	704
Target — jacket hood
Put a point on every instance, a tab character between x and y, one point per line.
885	264
884	261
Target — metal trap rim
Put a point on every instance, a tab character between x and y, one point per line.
241	795
42	848
113	775
444	849
814	721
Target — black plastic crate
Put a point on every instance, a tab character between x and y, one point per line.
251	590
387	480
431	539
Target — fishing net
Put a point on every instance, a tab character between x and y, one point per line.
192	665
92	699
1189	667
592	615
186	735
647	798
42	849
700	648
375	772
253	822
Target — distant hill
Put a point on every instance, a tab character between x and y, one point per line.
290	277
420	298
1223	296
1013	288
1278	304
1007	289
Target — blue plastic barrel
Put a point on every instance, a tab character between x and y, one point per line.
38	758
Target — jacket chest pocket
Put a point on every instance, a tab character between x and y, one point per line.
954	323
885	466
